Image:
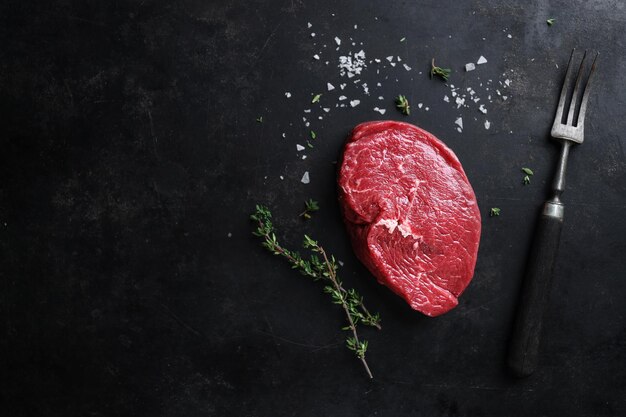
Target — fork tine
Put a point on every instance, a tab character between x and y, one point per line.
583	103
559	111
572	106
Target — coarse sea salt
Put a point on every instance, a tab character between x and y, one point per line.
354	103
337	41
330	87
487	124
482	109
309	25
342	97
459	122
316	56
406	67
481	60
287	94
299	147
381	111
470	67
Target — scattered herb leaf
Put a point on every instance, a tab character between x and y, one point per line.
527	171
313	135
495	211
444	73
316	98
321	267
259	119
403	105
309	144
550	21
526	180
310	206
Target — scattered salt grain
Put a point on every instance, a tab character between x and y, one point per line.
330	86
426	108
342	97
287	94
337	41
326	109
470	67
284	135
390	58
307	110
507	82
482	109
406	67
446	99
459	122
381	97
459	102
316	56
419	105
342	86
230	234
313	34
354	103
487	124
481	60
381	111
309	25
303	156
281	178
509	36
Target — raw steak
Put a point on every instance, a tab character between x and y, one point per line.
411	213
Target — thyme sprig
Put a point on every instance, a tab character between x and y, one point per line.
402	103
442	72
310	206
321	267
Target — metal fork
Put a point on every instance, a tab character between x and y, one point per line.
524	344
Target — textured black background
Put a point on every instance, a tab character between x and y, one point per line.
130	151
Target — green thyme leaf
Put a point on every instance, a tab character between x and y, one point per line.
495	211
444	73
316	98
527	171
550	21
403	105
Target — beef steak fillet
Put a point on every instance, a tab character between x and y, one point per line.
411	213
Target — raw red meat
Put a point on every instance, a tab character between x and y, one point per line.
411	213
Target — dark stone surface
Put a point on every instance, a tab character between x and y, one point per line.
130	151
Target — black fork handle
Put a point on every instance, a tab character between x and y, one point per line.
524	345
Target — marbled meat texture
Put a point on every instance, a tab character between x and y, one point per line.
411	213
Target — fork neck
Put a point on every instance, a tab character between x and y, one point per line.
558	186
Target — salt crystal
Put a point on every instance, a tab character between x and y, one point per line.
398	59
366	89
507	82
446	99
299	147
459	122
504	97
481	60
313	34
488	125
281	177
354	103
426	108
337	41
419	105
482	109
390	58
309	25
303	156
287	94
320	117
381	111
376	60
393	64
342	97
458	129
330	86
326	109
355	26
459	102
379	85
406	67
342	86
316	56
509	36
307	124
230	234
381	97
470	67
284	135
307	110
